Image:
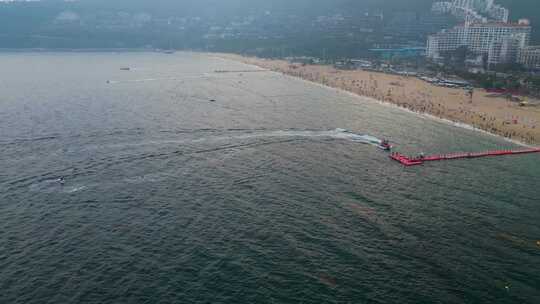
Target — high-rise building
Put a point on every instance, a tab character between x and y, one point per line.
498	13
481	39
485	32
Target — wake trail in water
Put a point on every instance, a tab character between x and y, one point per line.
217	136
340	134
224	140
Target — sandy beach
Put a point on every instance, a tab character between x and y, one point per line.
485	111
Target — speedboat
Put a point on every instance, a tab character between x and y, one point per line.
385	145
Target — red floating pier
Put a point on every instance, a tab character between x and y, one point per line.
419	160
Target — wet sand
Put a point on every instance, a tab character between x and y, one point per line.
483	110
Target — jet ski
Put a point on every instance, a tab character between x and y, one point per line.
385	145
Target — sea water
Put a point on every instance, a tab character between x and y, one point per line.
183	185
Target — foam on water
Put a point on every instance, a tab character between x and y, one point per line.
74	189
53	186
340	134
238	135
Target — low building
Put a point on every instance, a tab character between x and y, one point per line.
530	57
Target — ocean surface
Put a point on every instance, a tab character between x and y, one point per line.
183	185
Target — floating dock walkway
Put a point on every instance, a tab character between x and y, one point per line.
415	161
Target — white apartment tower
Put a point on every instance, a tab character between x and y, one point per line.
482	39
498	13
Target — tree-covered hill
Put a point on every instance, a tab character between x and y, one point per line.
124	23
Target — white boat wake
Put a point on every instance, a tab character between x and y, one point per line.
229	136
341	134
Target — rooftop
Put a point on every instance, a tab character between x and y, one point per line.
499	24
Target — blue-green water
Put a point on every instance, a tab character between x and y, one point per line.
259	196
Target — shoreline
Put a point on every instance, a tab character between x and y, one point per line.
522	135
420	114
